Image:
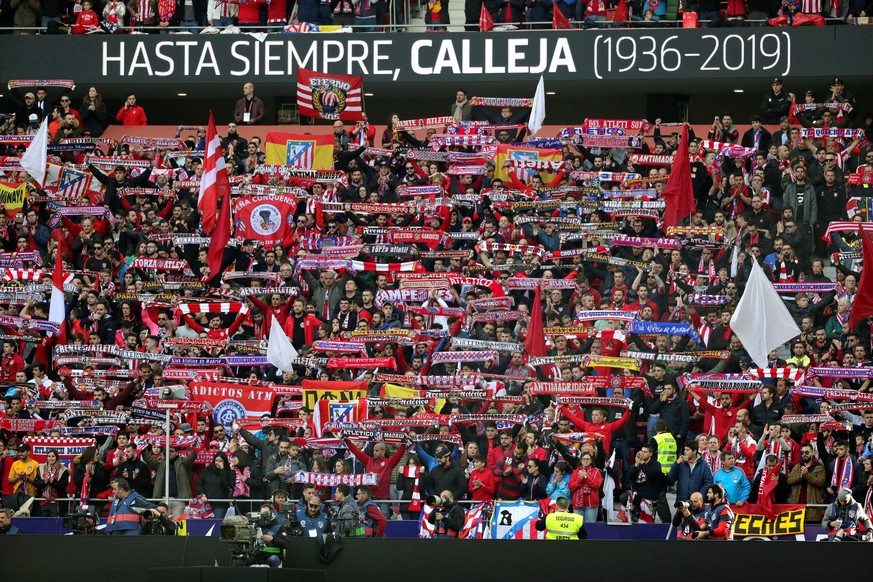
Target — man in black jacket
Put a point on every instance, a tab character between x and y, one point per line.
135	471
776	103
446	476
120	179
447	519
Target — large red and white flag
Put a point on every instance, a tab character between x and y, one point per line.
330	96
486	21
214	185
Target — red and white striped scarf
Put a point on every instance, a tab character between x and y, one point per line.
414	472
214	307
714	461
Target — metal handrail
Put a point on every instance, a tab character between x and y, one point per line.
397	27
387	501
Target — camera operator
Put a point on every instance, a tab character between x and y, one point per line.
124	515
843	516
270	546
279	501
161	525
83	522
314	522
348	520
447	517
688	514
370	515
718	519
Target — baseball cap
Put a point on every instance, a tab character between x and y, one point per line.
467	219
776	80
31	95
837	81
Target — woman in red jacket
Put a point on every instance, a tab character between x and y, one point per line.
585	484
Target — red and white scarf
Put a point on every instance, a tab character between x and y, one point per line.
414	472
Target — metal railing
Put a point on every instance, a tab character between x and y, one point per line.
417	23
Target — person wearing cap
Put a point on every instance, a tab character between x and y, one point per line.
28	109
23	472
843	517
776	103
446	475
840	95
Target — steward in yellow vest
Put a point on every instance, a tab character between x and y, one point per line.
562	524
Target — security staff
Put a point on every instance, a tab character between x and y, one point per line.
665	444
562	524
128	505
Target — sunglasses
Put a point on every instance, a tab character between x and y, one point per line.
314	506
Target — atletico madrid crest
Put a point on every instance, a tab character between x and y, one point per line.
329	99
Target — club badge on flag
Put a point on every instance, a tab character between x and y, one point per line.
299	151
233	401
329	96
515	520
527	154
265	219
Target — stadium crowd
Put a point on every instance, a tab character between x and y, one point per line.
518	328
163	16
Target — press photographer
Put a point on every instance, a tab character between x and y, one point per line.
447	517
161	524
718	519
126	511
688	514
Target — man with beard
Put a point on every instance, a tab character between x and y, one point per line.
718	519
807	480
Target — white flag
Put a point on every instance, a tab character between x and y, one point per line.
280	351
761	320
538	111
35	158
735	267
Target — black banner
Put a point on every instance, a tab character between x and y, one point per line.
379	250
571	55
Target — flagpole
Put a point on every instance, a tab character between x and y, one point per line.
167	408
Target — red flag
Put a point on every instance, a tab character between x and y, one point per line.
862	307
486	22
679	192
621	11
769	481
220	237
535	342
214	185
559	21
327	96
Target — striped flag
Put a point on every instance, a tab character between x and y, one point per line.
326	96
73	184
515	520
214	185
474	523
